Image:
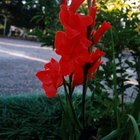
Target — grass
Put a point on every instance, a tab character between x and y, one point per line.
35	117
29	118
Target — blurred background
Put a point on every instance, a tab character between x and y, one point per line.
37	20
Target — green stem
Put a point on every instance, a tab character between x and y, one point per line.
69	101
74	114
85	85
122	81
65	86
89	3
71	87
116	98
138	67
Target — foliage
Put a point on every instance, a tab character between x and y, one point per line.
33	117
29	117
47	20
37	117
124	16
45	38
41	15
113	72
17	14
124	35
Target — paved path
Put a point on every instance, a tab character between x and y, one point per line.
19	61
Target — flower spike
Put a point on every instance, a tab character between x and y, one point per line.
75	4
100	31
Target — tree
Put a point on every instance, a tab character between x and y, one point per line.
17	13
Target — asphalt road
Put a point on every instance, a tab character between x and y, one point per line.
19	62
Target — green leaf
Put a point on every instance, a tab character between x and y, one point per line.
135	126
70	123
136	107
114	134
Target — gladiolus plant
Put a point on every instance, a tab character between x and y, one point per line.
79	59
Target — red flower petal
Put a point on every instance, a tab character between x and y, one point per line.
50	90
64	44
73	52
64	15
78	76
75	24
67	65
92	13
93	69
75	4
64	2
51	77
44	77
95	56
101	30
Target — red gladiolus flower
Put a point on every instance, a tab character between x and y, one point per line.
76	23
72	45
100	31
78	75
92	13
75	4
51	78
73	52
93	2
96	61
64	2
